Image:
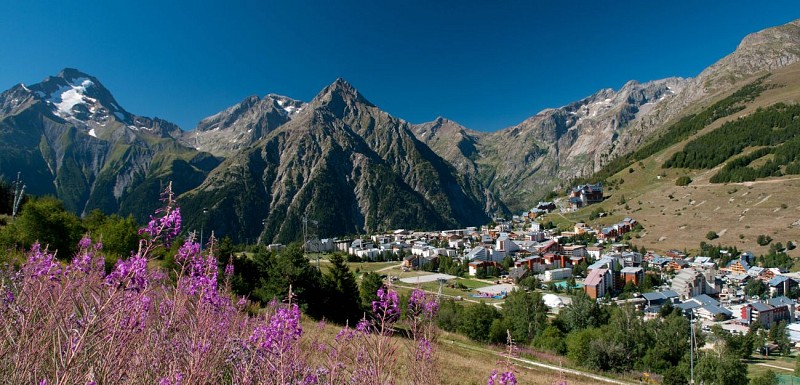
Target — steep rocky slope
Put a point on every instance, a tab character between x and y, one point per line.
524	162
241	125
345	164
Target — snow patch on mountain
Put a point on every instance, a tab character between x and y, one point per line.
67	97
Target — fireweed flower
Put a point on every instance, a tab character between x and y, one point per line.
130	274
82	261
200	270
422	305
167	221
424	350
42	263
386	307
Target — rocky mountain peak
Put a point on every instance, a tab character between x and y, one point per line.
78	97
288	105
758	52
340	97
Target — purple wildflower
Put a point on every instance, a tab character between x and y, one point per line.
130	274
167	222
386	306
422	305
229	270
282	331
424	350
42	263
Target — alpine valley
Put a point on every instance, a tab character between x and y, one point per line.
263	165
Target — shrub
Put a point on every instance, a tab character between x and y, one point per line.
683	181
711	235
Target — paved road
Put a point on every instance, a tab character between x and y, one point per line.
530	364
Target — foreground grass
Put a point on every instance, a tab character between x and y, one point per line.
461	361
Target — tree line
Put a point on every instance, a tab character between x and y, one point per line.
683	129
773	131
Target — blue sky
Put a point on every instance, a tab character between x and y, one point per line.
485	64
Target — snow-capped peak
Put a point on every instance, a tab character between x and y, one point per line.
65	98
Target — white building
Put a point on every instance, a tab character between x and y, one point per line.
557	274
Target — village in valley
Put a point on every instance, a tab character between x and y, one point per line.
727	288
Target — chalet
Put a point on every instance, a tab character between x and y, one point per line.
533	263
632	274
660	297
608	233
672	253
410	262
781	285
764	314
594	252
705	307
660	263
769	273
546	206
784	301
517	274
676	264
574	251
655	300
476	266
550	246
586	194
738	266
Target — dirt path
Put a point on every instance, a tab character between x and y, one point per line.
744	183
526	363
774	366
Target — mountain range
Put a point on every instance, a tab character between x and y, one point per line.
263	165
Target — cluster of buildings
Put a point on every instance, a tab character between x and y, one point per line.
695	285
710	292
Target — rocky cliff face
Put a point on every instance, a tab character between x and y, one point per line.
522	163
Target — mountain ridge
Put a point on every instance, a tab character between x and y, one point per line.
279	159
